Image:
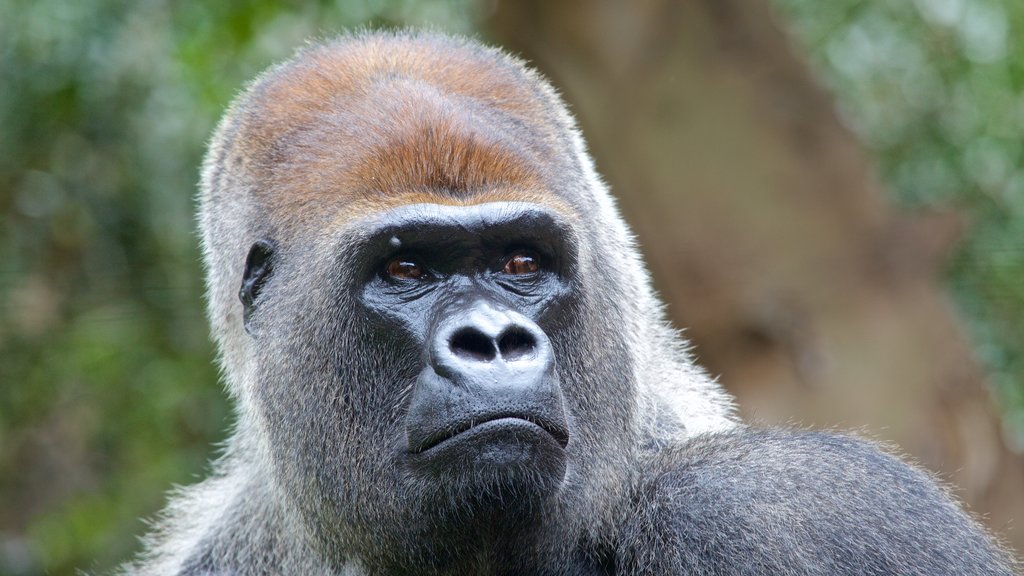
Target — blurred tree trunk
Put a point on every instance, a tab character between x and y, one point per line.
767	233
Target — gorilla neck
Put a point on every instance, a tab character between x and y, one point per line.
502	548
482	537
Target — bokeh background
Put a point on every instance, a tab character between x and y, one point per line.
830	196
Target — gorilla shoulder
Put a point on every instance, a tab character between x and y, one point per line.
783	502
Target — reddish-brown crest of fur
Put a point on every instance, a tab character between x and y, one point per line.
366	123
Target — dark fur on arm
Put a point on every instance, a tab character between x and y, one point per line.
784	502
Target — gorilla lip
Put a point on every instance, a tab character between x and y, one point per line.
556	431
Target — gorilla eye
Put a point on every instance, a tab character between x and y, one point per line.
521	263
404	269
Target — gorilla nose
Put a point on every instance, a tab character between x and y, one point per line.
483	334
472	343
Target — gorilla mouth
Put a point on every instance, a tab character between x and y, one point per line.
511	421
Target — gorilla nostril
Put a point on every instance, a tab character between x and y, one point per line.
516	342
472	343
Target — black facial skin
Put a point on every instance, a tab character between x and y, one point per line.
488	394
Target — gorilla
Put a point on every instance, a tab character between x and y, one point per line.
446	358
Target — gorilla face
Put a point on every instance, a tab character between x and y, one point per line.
437	391
470	287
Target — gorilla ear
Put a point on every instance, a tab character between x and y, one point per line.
258	266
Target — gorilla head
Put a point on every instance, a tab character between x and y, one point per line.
446	329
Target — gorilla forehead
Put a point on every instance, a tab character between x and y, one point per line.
359	120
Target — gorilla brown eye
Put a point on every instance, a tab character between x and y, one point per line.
521	263
404	269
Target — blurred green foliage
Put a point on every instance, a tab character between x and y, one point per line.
108	392
935	89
